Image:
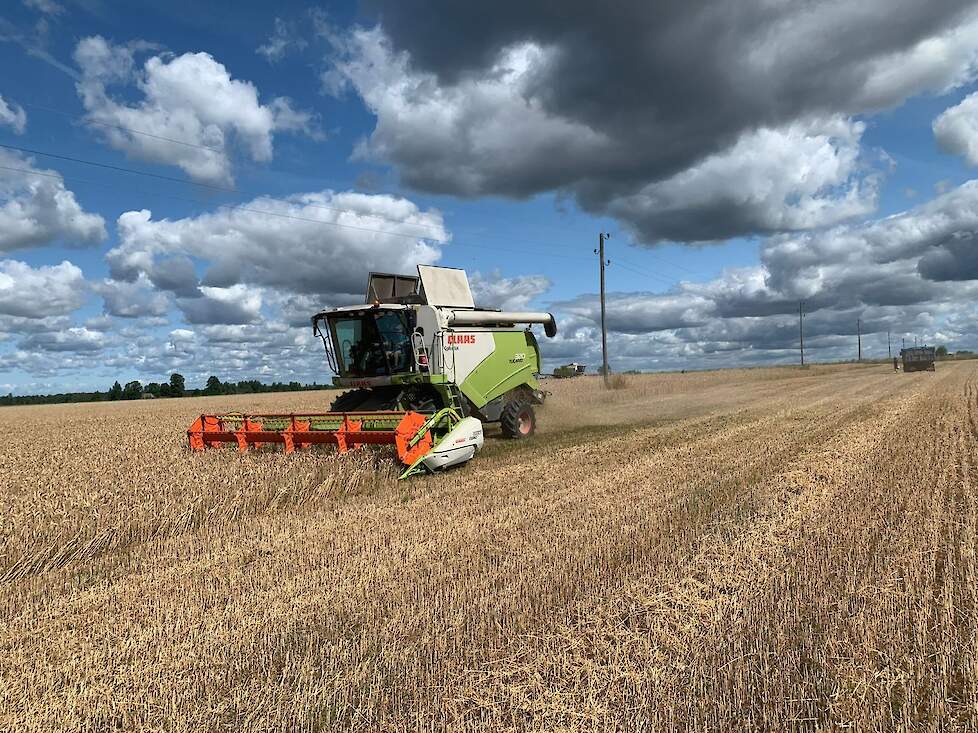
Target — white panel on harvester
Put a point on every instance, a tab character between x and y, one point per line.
445	287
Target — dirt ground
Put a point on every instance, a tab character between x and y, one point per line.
739	550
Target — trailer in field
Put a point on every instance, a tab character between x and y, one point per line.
918	359
569	370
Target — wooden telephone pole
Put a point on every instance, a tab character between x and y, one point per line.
801	331
604	329
859	339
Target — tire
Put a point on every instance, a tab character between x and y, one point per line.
518	420
349	401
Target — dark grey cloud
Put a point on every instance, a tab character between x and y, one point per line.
659	66
955	259
642	312
74	340
506	293
132	299
648	111
314	243
228	306
12	326
175	274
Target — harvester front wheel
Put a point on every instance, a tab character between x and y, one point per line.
518	420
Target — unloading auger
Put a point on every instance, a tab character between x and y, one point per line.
425	443
423	369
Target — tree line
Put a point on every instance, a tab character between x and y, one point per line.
174	388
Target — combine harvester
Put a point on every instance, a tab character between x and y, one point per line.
424	369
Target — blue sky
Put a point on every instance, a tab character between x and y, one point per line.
831	171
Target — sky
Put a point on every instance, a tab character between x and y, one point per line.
182	185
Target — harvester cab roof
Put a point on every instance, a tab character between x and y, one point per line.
423	367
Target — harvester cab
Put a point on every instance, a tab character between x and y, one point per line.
417	357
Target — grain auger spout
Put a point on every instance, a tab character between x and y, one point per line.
425	443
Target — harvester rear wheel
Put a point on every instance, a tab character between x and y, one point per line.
518	420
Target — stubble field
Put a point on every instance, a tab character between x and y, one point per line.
739	550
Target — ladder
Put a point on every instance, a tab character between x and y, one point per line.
421	357
455	400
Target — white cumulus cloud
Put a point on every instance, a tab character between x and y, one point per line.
956	129
802	176
507	293
36	209
320	243
52	290
191	113
13	115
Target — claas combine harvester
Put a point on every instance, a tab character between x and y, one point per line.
423	369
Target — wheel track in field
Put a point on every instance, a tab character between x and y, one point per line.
707	595
87	545
523	574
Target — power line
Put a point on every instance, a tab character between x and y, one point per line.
210	186
280	215
118	168
241	208
226	189
88	120
225	151
637	271
664	261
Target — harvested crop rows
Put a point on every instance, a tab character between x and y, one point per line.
736	550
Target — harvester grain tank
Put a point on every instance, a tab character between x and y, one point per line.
918	358
424	368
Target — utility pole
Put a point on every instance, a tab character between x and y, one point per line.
801	331
604	329
889	354
859	340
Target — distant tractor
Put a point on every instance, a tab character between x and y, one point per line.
918	359
569	370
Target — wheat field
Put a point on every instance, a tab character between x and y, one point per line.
771	549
